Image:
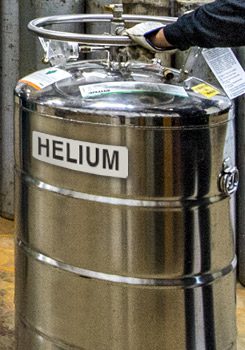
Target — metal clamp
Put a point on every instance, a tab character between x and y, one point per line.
228	178
192	57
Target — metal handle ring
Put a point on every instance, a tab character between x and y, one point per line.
37	24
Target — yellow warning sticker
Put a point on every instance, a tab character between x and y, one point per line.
205	90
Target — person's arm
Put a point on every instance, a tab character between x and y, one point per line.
217	24
158	39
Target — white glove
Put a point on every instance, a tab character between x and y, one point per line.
139	32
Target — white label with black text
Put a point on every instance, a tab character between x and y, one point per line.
100	89
227	70
88	157
45	77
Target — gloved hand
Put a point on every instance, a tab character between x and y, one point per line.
139	33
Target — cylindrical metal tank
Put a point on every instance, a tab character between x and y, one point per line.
123	233
123	185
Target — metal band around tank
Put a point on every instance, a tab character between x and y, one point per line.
31	181
186	281
37	24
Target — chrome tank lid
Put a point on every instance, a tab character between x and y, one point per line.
90	89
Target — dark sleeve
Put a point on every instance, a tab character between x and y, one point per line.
217	24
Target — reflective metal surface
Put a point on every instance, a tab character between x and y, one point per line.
37	25
137	262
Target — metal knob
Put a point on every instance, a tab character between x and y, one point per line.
229	178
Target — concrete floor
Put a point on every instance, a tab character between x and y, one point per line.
7	292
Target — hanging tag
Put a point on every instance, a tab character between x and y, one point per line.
58	52
227	70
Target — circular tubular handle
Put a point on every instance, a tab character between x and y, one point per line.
37	25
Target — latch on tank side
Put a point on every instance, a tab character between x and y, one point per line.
228	178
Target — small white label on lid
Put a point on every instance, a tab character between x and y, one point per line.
45	77
100	89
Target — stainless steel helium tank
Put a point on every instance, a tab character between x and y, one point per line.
123	185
